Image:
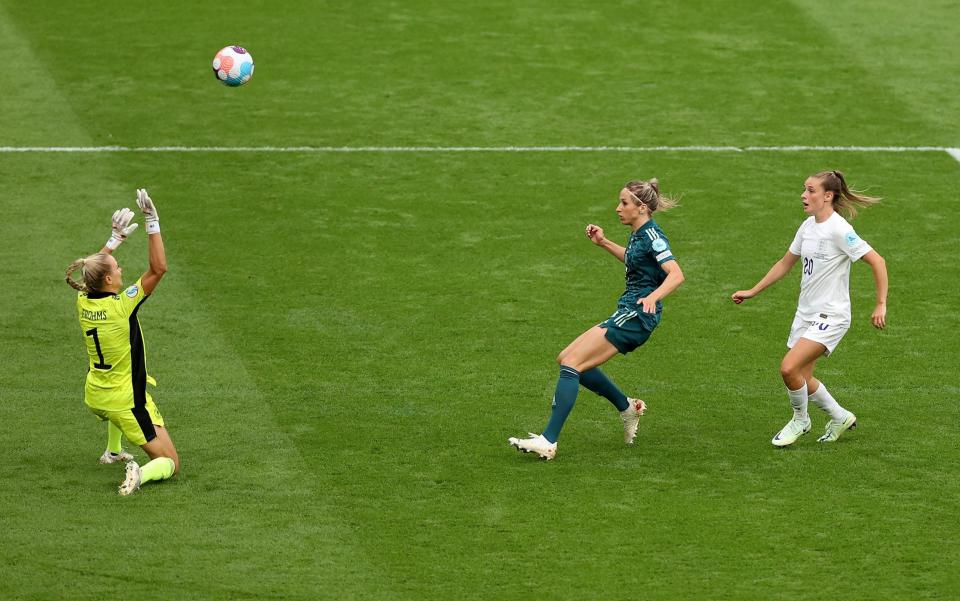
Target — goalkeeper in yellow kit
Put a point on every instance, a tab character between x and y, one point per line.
116	386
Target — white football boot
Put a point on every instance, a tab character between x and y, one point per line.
836	428
794	429
631	419
131	483
536	443
108	457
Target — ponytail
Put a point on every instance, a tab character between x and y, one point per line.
648	194
73	283
93	269
846	201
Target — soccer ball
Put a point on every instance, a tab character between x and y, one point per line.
233	66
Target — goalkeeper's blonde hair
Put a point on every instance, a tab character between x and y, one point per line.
648	194
93	269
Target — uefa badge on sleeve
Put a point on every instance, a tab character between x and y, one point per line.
132	291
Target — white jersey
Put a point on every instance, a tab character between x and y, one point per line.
827	249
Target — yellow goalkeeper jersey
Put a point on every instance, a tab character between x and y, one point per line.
117	378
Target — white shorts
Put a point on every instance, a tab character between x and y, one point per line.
828	331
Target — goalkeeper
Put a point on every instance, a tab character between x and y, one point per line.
116	386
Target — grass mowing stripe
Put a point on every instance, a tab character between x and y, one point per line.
915	73
32	105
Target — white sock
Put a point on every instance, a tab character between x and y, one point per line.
798	400
825	401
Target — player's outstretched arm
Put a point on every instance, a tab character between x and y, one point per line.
595	233
157	255
120	229
779	269
879	267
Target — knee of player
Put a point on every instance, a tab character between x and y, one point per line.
788	371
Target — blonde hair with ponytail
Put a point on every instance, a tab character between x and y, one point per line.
648	194
93	269
845	200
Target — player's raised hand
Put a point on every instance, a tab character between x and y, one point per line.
741	295
149	210
121	227
595	233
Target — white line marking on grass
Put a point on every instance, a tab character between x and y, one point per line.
370	149
846	148
954	152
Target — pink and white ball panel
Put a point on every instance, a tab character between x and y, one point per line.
233	66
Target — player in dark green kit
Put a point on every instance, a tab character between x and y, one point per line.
652	274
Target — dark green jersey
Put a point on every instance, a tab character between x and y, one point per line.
647	249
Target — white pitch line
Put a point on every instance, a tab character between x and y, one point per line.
370	149
846	148
954	152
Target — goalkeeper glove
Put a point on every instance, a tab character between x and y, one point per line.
121	227
149	211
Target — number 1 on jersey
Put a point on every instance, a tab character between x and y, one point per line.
96	342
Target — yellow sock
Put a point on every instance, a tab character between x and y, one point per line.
160	468
113	438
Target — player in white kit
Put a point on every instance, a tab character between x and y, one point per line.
828	245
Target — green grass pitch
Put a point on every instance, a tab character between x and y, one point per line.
345	340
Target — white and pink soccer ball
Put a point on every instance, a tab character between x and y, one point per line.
233	66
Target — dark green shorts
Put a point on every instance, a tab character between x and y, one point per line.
627	330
